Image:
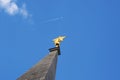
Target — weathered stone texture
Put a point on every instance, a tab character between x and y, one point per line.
44	70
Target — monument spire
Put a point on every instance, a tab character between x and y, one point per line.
46	68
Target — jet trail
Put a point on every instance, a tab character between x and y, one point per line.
52	20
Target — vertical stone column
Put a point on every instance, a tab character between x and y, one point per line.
43	70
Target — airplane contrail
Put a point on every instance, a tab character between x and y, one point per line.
53	19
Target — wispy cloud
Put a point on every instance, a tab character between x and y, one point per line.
12	8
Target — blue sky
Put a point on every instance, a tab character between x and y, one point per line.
89	52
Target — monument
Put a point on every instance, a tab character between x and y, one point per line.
46	68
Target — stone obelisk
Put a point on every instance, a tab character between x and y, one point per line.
46	68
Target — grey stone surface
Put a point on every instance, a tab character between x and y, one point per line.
43	70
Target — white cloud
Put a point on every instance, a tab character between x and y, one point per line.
23	11
12	8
